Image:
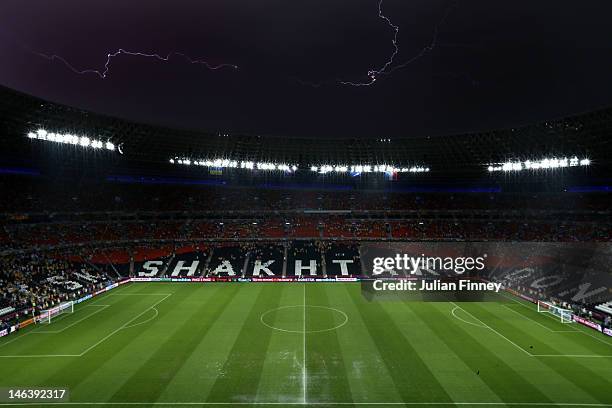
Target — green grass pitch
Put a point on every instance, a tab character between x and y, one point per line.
324	344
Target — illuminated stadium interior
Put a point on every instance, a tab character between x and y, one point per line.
145	263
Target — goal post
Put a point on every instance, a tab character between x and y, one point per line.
48	315
565	315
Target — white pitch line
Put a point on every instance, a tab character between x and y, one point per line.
103	307
593	336
138	294
547	315
263	320
144	321
495	331
572	355
540	355
465	321
34	331
579	330
304	374
17	337
41	355
124	325
540	324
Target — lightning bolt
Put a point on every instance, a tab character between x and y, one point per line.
388	68
374	73
103	73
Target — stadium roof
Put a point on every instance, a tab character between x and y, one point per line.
585	135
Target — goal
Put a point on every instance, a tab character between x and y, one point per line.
48	315
564	314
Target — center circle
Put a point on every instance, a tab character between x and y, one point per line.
304	319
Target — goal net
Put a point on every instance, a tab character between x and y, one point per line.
48	315
564	314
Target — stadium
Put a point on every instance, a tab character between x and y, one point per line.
148	264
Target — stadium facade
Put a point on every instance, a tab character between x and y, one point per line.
130	199
134	242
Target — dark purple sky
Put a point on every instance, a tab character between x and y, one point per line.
495	64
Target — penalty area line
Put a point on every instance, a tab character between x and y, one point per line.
465	321
521	348
493	330
35	331
102	308
580	329
124	326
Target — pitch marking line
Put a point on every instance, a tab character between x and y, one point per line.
61	317
304	374
528	353
106	295
145	321
56	331
124	326
494	331
580	330
15	339
138	294
540	324
263	320
544	314
572	355
72	324
463	320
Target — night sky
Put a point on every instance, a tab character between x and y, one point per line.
493	63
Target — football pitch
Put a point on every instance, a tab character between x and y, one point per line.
323	344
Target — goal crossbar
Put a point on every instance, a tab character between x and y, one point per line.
48	315
565	315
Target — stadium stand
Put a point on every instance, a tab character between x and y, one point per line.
605	308
73	220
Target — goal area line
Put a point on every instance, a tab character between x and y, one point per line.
579	328
103	307
129	324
